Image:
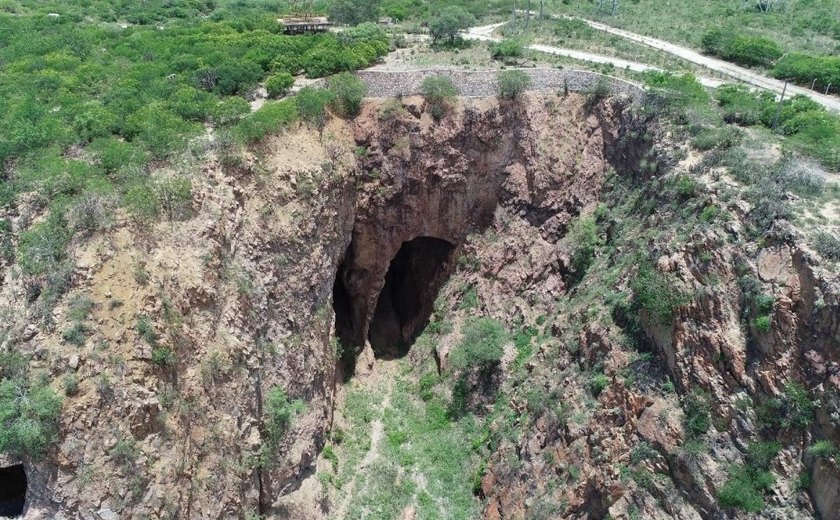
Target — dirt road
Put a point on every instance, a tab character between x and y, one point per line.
724	67
485	33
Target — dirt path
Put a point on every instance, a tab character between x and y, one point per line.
734	71
485	33
383	376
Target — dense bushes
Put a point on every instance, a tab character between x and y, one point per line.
810	129
269	119
741	48
747	483
804	69
277	85
439	92
670	93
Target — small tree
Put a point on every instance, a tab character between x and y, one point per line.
512	83
448	23
312	106
438	91
279	84
347	91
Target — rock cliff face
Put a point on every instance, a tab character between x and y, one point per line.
311	257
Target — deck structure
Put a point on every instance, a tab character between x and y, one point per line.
305	24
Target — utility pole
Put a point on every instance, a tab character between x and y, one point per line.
779	107
541	9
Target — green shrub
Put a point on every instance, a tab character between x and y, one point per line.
827	245
347	93
163	356
671	92
448	22
482	344
312	105
739	48
686	187
277	414
329	454
798	408
270	119
43	247
229	110
573	28
507	50
512	83
278	85
353	12
709	213
71	384
125	452
655	293
115	154
79	308
146	330
722	138
762	323
29	415
697	418
804	69
585	241
764	303
598	383
75	334
595	94
746	485
824	448
439	92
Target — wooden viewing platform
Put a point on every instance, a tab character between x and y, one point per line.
305	24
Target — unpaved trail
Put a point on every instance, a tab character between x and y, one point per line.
485	33
383	376
724	67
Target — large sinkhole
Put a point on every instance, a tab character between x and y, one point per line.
12	490
414	277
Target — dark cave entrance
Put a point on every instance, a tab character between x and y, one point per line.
343	308
12	490
406	301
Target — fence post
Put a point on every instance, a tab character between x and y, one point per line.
779	107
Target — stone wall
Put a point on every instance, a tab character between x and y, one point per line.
384	84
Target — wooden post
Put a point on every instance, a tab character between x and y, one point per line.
779	107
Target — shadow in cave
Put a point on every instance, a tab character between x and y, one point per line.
406	301
12	491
